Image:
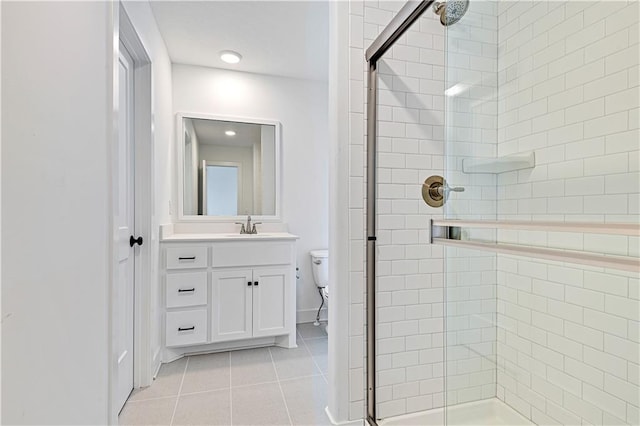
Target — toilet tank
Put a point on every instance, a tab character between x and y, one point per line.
320	267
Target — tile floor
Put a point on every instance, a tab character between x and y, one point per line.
265	386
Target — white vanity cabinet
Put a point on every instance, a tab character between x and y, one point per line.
270	301
232	304
225	292
249	303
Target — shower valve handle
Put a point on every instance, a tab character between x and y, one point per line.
445	189
435	191
454	189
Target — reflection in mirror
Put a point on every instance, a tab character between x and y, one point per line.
229	168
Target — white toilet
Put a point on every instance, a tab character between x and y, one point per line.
320	267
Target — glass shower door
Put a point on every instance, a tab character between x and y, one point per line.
541	249
471	117
507	215
409	270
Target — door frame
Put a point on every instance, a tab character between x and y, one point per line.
143	320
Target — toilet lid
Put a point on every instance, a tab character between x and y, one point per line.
320	254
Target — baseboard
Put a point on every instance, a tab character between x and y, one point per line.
157	362
348	422
174	353
157	370
309	315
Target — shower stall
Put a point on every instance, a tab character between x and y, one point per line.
503	237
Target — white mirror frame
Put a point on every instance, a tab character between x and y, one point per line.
180	168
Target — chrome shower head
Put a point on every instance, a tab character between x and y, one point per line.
450	11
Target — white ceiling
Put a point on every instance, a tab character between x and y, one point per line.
211	132
284	38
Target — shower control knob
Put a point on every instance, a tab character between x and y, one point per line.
435	191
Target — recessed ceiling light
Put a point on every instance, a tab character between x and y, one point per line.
230	57
230	133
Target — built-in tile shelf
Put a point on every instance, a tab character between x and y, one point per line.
508	163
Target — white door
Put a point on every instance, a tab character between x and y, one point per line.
231	304
270	307
124	224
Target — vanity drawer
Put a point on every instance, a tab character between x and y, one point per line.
238	254
186	327
186	289
186	257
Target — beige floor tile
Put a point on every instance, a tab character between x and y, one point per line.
320	352
310	331
150	412
291	363
251	366
255	397
167	383
306	399
208	408
259	405
207	372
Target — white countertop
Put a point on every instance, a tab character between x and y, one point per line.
266	236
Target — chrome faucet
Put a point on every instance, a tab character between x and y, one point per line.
248	228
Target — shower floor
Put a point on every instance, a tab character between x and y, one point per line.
486	412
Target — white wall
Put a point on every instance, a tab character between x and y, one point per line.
342	353
301	107
56	134
143	21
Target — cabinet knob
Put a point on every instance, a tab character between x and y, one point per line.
255	283
249	283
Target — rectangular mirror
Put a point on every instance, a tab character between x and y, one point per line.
230	167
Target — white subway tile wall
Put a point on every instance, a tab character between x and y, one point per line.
568	336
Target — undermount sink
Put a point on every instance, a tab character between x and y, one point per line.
247	235
225	236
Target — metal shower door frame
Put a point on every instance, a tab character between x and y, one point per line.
400	23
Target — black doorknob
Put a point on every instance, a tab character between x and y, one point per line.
133	241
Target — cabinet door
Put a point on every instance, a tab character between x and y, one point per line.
231	305
271	304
